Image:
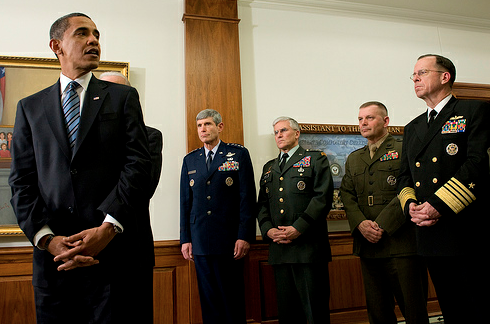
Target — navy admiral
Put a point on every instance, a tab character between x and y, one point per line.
443	184
217	209
296	192
383	238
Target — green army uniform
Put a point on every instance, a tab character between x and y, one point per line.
300	195
368	191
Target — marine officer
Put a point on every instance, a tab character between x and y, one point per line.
383	238
296	191
217	223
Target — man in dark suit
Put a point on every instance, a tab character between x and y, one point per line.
443	186
296	192
155	138
217	223
383	239
80	189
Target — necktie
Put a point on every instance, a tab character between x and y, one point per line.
209	160
372	150
71	110
432	116
283	161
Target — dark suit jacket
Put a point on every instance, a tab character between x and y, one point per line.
447	165
155	144
109	172
217	207
369	193
301	195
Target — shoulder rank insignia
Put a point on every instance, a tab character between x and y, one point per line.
304	162
454	126
389	156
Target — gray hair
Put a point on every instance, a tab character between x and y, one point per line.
115	73
293	123
206	113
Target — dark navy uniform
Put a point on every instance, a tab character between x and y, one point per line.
390	267
301	196
217	209
447	165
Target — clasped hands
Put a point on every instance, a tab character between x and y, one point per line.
283	234
370	230
423	214
79	250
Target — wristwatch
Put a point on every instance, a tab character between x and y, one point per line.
117	229
48	240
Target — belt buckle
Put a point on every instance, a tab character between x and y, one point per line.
370	201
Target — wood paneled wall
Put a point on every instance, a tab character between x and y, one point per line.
212	66
176	298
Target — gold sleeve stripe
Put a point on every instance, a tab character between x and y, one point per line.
406	194
448	198
455	195
463	188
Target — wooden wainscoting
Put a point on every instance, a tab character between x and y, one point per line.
176	297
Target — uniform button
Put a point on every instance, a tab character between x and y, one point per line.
371	182
208	197
417	184
281	189
281	200
281	178
434	159
70	209
208	183
282	211
74	171
209	212
434	180
417	164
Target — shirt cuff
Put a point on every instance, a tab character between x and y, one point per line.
109	219
45	230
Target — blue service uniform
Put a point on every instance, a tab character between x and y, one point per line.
217	208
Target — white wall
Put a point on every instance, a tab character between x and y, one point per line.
315	65
149	35
318	65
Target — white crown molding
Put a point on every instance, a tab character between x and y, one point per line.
358	9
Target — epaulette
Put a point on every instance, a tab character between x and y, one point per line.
236	145
193	151
315	150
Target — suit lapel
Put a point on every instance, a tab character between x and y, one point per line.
440	120
56	120
92	103
365	157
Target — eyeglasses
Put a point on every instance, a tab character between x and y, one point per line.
424	72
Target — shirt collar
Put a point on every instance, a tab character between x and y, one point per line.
379	142
215	149
84	80
290	152
439	106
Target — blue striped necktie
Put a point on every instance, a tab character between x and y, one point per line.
71	110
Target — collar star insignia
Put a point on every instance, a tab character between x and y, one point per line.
471	186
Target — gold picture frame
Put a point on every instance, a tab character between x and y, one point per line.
25	76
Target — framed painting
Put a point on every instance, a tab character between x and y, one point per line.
19	78
337	141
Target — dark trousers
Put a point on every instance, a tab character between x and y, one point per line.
303	292
221	289
403	278
461	285
82	298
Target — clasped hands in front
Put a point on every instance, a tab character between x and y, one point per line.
283	234
424	214
79	250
